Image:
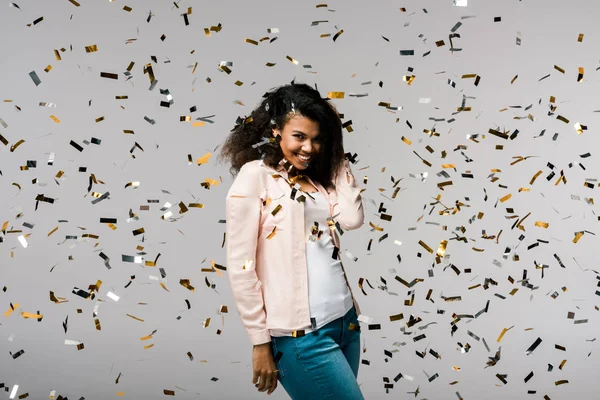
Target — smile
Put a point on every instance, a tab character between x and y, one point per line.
303	158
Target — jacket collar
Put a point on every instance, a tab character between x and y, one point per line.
282	170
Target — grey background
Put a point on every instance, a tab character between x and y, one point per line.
190	242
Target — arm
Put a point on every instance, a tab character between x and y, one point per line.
243	205
349	205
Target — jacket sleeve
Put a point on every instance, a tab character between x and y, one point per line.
350	202
243	208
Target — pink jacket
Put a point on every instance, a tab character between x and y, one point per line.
266	256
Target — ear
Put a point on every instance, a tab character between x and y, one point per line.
275	132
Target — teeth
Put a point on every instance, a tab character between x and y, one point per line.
303	158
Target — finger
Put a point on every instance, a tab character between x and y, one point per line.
273	385
261	383
255	377
267	383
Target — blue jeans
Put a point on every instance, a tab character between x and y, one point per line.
322	364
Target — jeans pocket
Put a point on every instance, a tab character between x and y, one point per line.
354	320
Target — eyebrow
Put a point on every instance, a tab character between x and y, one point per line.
297	131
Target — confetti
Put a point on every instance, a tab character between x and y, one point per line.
481	236
35	78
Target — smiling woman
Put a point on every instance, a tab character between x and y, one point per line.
288	282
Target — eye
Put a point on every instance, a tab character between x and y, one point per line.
299	136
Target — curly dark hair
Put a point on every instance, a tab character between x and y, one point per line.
252	138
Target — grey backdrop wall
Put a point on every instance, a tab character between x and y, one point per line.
491	208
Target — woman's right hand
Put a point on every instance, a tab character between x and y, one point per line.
264	368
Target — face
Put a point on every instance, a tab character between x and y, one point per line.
300	136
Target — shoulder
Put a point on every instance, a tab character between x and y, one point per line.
253	168
250	178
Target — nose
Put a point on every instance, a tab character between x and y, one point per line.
308	147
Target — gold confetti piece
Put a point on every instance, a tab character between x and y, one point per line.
31	315
440	43
186	284
132	184
580	74
204	159
254	42
99	119
91	49
58	300
55	119
442	248
127	8
580	128
580	38
272	234
337	35
561	382
136	318
503	332
408	79
14	306
563	119
335	95
556	67
429	249
541	224
405	140
292	60
442	184
577	237
503	199
76	4
48	68
200	123
514	79
120	394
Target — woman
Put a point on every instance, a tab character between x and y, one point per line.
293	193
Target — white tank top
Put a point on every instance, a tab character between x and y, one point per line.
328	293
